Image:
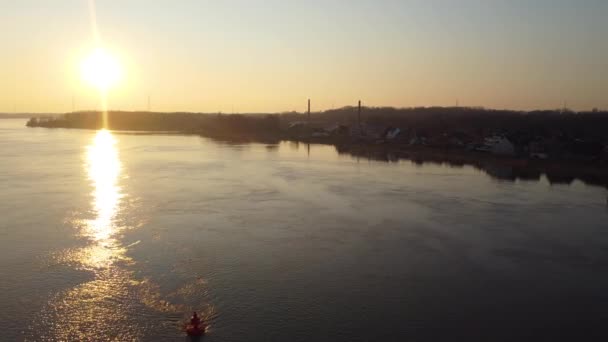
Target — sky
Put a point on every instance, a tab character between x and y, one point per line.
271	56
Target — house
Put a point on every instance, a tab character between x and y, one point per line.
393	133
459	139
369	131
319	134
297	126
537	150
587	149
356	131
498	145
418	139
337	130
375	131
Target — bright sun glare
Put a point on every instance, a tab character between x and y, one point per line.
101	70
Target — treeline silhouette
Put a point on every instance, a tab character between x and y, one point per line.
577	135
24	115
589	125
207	124
429	121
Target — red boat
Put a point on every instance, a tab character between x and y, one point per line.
196	327
195	330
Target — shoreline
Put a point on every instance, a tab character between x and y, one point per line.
509	168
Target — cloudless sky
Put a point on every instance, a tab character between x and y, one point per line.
270	56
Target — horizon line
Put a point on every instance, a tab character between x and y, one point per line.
564	109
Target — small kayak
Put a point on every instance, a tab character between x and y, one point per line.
193	330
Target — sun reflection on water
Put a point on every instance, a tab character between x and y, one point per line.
110	302
103	166
103	169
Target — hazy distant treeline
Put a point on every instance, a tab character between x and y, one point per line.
24	115
174	122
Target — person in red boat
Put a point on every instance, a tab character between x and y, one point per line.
195	321
196	326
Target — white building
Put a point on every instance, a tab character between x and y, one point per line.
498	145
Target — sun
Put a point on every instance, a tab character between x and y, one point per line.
101	70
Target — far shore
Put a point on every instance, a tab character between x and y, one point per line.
562	146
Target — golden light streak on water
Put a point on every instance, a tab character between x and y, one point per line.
109	302
104	168
104	306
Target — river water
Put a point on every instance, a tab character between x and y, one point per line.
119	236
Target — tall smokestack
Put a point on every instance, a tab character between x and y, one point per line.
359	114
308	110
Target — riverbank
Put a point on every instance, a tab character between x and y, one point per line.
507	145
500	167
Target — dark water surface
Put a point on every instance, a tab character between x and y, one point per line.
115	236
